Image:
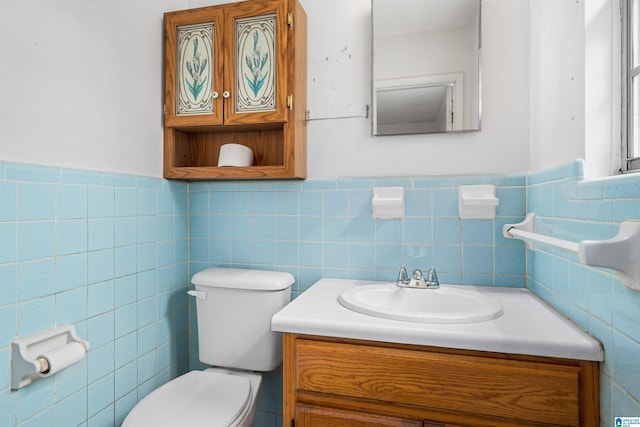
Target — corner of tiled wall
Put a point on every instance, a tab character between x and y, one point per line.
571	208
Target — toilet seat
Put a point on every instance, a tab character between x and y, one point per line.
197	398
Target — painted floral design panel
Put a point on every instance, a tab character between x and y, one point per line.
195	69
256	64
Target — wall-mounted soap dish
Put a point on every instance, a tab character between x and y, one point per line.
477	201
388	202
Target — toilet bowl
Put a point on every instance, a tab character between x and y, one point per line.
234	309
213	397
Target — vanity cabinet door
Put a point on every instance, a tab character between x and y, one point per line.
378	384
533	392
315	416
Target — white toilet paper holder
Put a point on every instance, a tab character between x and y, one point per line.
27	364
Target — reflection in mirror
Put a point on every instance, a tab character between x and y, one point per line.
418	105
426	66
415	110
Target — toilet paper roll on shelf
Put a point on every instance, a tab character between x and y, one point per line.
44	354
235	155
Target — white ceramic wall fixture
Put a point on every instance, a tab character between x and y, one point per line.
477	201
619	253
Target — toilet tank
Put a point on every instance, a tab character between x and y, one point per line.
234	309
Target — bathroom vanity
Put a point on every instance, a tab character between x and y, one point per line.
528	367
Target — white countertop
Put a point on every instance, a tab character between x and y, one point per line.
528	325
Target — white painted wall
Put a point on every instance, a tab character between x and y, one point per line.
344	147
575	84
81	83
602	88
81	87
557	82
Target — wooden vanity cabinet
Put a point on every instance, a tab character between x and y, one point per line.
235	73
332	382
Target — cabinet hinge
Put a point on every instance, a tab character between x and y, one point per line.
290	20
292	423
290	102
164	108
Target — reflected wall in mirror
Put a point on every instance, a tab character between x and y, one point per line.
426	66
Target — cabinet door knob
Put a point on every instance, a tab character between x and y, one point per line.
214	95
226	94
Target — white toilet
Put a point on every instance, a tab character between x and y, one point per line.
234	309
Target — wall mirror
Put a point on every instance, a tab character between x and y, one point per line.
426	66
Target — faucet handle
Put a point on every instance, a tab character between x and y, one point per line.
432	278
403	277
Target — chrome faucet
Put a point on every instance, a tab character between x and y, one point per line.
432	279
403	277
417	279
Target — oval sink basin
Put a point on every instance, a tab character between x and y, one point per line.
443	305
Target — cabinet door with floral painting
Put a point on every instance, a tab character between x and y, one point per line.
194	67
256	62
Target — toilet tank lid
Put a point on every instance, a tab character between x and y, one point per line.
238	278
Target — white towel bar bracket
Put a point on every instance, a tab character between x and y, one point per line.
621	253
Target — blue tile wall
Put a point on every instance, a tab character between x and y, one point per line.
573	209
105	252
325	228
113	254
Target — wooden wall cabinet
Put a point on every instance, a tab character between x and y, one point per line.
235	73
351	383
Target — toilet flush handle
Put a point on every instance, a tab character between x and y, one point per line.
198	294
